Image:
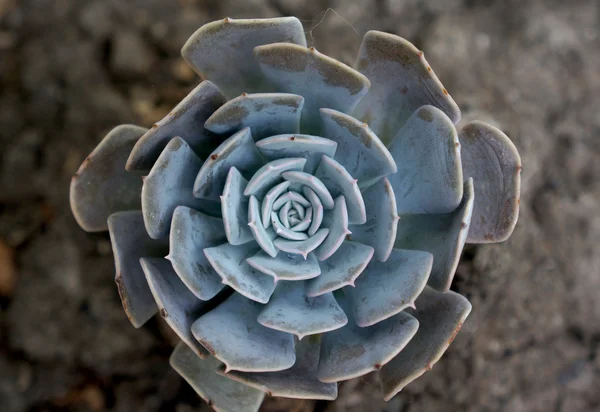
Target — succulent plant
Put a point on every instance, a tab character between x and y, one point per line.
300	221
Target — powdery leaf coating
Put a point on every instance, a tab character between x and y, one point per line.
308	147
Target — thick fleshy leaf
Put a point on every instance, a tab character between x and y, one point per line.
234	207
231	333
440	317
177	305
266	114
339	182
283	231
268	175
427	151
442	235
222	51
219	392
186	120
230	263
323	81
353	351
269	199
341	269
192	232
286	266
316	210
168	185
308	147
360	151
130	242
336	220
382	220
291	311
401	82
263	236
298	382
492	160
102	186
239	151
305	179
302	247
387	288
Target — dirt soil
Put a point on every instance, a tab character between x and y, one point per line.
70	70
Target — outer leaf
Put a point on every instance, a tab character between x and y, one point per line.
442	235
186	120
291	311
494	163
230	332
285	266
427	151
401	82
192	232
305	146
387	288
221	393
130	242
440	317
266	114
360	151
341	269
221	51
323	81
239	151
230	263
177	305
168	185
234	206
299	381
101	186
382	219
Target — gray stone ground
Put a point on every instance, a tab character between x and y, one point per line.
72	69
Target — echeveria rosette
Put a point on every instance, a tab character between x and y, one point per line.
300	221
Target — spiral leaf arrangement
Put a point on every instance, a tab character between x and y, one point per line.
299	221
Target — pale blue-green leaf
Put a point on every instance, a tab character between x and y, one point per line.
230	263
191	232
231	333
239	151
302	247
387	288
339	182
263	235
168	185
307	220
286	266
304	179
382	219
336	220
186	120
298	382
352	351
234	207
177	305
263	180
442	235
102	186
401	82
130	242
222	51
283	231
440	317
266	114
283	214
323	81
221	393
290	197
308	147
341	269
316	208
360	151
291	311
492	160
269	199
427	151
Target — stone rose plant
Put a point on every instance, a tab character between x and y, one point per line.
296	221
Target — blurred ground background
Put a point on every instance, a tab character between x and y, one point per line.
72	69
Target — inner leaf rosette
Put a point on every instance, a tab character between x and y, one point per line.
299	221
